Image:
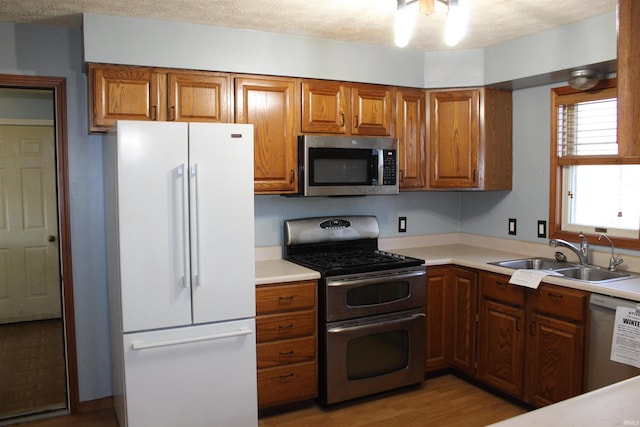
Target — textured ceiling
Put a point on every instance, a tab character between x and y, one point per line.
361	21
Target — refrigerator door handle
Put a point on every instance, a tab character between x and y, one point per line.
185	230
141	345
195	227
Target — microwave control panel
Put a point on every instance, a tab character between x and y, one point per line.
389	167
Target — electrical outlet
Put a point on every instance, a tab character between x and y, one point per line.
512	226
542	229
402	224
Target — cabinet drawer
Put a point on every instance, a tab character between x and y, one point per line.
561	302
286	384
285	326
296	296
278	353
496	286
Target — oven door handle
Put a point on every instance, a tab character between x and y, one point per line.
376	322
377	279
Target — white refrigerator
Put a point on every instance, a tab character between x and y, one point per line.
180	258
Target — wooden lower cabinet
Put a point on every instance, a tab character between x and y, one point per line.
532	341
451	308
286	335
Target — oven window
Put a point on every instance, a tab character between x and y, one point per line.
378	293
377	354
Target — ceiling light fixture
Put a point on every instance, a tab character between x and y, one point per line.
456	25
583	79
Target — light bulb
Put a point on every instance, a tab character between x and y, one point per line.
456	26
405	19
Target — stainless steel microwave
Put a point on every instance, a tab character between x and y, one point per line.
347	165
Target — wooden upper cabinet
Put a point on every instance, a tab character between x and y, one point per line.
120	92
194	96
470	139
123	93
372	110
347	108
325	107
410	131
270	104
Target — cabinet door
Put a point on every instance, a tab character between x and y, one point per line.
437	319
325	107
199	97
270	104
555	360
454	138
372	110
501	343
123	93
410	118
464	297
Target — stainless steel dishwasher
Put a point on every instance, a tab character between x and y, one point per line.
602	370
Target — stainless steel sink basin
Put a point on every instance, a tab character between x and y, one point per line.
589	273
534	264
592	274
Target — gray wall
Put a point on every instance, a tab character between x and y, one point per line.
56	52
59	52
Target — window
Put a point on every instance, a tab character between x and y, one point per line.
593	188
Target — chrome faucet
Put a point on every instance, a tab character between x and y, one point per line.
613	261
582	251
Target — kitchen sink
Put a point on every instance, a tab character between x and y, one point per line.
588	273
533	264
592	274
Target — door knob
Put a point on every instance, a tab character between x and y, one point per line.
52	238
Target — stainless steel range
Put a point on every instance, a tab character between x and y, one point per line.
372	318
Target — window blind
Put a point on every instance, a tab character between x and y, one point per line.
588	128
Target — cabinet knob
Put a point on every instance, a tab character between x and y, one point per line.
51	238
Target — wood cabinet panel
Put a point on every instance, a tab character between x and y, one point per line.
281	298
470	139
410	131
372	109
123	93
286	336
326	107
501	343
286	384
628	82
270	105
555	360
561	302
437	320
286	352
284	326
199	97
497	286
464	299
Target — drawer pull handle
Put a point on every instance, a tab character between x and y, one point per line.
517	325
532	328
556	296
501	284
289	326
286	353
285	376
289	298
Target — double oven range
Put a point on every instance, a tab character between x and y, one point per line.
371	306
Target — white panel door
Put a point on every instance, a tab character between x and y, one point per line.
222	221
153	234
29	256
199	376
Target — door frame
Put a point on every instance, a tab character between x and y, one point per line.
59	87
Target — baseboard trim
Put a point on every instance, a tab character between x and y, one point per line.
95	405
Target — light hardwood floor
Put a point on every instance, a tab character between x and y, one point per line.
441	401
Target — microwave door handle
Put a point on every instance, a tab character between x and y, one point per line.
375	166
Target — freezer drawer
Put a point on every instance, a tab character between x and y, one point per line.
197	376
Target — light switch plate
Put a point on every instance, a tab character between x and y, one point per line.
402	224
512	226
